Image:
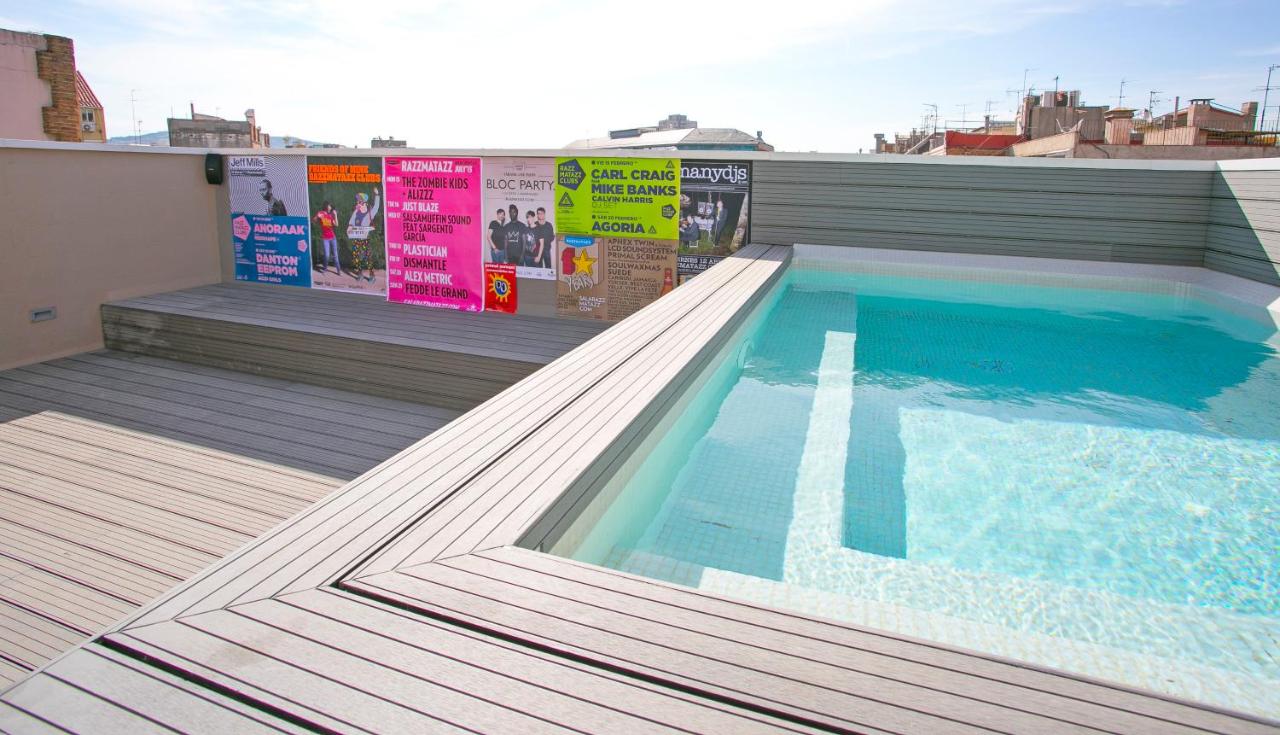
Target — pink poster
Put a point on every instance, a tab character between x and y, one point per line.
434	253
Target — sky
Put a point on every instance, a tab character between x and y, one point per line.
813	76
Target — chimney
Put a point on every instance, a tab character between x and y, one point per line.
1198	113
1250	112
1119	125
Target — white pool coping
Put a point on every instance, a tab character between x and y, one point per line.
1239	295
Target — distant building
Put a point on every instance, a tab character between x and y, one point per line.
677	133
387	143
1181	135
1057	125
1204	114
1051	113
38	86
210	131
93	123
958	143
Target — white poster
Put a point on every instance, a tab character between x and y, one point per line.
519	206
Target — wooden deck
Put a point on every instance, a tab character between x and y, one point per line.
434	356
123	475
413	599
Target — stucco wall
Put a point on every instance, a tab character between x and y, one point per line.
23	91
82	227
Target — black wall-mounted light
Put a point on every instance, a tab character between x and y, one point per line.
213	168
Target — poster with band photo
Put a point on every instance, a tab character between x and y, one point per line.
714	220
348	239
519	208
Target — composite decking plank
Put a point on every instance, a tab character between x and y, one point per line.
95	571
188	480
507	613
288	482
30	640
429	328
166	700
103	487
59	600
417	416
15	720
360	346
110	538
928	690
469	669
808	631
287	670
185	428
173	406
367	370
576	679
268	410
73	498
437	349
1057	695
72	709
431	466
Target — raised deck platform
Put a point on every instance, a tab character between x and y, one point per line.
443	358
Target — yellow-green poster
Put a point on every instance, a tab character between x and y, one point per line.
618	197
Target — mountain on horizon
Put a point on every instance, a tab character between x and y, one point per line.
161	137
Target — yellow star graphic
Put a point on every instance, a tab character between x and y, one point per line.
583	263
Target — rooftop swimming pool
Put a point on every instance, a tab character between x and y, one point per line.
1082	478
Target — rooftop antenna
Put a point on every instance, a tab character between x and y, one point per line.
1120	99
1152	99
933	106
1055	88
964	117
1025	72
1266	95
133	113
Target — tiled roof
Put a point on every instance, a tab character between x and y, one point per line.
84	94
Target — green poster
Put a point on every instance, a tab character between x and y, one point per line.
618	197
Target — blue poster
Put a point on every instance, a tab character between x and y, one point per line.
272	249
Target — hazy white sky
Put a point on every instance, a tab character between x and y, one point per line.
811	75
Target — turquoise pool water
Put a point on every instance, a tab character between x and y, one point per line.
1087	479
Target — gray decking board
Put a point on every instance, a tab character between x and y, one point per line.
105	505
438	357
335	534
401	674
480	634
100	691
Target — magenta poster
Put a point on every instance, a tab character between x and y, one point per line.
434	253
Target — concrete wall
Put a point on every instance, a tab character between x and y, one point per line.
84	224
1244	220
1062	145
23	91
1174	152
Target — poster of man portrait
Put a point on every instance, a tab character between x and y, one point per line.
269	229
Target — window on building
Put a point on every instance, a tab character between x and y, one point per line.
87	123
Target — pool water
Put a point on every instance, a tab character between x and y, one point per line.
1082	478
